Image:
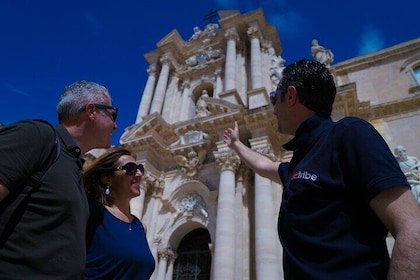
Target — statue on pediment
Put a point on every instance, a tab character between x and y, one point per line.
201	109
276	68
321	54
197	33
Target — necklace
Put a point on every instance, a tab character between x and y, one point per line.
121	216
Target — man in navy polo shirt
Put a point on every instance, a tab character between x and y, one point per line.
343	188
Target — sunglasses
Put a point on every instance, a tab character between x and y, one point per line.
275	94
273	98
131	168
101	106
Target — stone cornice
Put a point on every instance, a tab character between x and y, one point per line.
366	61
404	106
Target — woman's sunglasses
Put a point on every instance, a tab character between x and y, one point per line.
131	168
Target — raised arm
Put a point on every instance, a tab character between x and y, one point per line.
259	163
399	211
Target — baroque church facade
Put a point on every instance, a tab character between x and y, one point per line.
207	215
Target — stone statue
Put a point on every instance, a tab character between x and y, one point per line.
191	163
276	68
197	33
192	61
321	54
201	106
411	167
211	54
192	202
211	29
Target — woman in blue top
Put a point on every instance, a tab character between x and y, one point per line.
116	241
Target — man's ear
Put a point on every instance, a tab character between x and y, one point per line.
90	110
292	95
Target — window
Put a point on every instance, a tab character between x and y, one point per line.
194	258
416	71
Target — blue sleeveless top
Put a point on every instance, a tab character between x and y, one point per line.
119	250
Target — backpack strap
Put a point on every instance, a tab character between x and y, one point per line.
12	206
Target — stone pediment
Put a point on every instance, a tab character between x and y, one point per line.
153	128
219	106
172	38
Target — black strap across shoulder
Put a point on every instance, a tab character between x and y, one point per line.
12	207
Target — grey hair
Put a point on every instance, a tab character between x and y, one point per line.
77	95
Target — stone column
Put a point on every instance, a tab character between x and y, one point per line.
185	100
254	35
157	192
161	86
230	66
241	223
267	262
164	255
170	271
224	251
146	98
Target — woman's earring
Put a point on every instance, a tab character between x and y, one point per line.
107	191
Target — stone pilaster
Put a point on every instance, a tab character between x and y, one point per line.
185	100
218	82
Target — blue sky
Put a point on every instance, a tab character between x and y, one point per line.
48	44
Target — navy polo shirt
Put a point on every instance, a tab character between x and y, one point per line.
326	226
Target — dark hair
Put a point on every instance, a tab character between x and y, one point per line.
104	164
314	83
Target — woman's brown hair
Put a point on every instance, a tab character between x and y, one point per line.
104	164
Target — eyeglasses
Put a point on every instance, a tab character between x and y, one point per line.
274	94
273	98
101	106
131	168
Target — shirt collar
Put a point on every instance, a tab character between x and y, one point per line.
68	140
308	131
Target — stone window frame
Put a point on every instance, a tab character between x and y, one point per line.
410	67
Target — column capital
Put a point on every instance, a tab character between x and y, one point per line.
226	159
186	83
266	45
167	254
253	32
155	185
165	60
231	34
151	70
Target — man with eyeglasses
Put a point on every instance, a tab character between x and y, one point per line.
46	236
343	190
